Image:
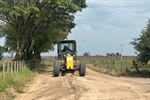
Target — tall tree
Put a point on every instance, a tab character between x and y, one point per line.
26	21
2	50
142	44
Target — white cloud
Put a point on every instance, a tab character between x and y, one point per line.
106	24
85	27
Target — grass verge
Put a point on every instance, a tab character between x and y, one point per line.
113	66
16	80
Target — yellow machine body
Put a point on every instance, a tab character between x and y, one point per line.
69	62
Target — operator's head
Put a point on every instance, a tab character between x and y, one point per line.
65	47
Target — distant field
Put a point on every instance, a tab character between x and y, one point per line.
79	57
87	57
107	64
112	65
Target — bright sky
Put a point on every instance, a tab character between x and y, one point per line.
105	25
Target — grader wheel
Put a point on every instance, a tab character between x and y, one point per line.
56	68
82	69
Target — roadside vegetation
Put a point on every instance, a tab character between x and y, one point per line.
14	82
17	80
142	44
113	66
44	64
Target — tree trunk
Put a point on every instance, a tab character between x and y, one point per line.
20	47
19	55
37	58
26	52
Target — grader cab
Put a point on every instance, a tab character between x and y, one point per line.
67	58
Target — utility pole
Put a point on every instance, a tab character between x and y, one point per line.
121	54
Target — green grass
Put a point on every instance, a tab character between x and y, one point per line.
46	63
16	80
113	66
3	86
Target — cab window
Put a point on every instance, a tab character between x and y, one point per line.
69	45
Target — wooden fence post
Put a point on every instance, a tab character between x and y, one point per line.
21	65
11	67
24	64
126	68
17	66
9	64
113	62
7	67
136	66
3	74
14	66
20	62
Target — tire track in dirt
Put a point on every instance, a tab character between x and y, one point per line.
94	86
104	87
46	87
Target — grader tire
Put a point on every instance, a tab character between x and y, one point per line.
82	69
56	68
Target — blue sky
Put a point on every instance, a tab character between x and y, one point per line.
106	24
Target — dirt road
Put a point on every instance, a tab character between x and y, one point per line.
94	86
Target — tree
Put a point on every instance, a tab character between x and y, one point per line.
142	44
29	21
2	50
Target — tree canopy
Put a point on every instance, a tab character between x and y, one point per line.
142	44
32	26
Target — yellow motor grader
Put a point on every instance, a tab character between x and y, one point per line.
67	58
